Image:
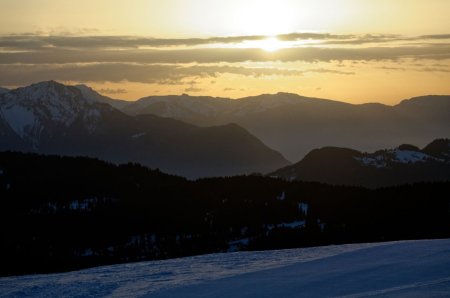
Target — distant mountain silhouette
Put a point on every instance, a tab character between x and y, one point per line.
91	94
294	125
52	118
406	164
3	90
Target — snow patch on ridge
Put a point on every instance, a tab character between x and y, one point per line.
377	161
382	160
290	225
138	135
29	110
19	119
411	156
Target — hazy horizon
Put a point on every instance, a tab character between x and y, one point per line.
108	93
352	51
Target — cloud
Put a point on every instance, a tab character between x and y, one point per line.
28	58
113	91
37	42
392	68
434	69
322	70
230	55
435	36
16	74
66	39
193	89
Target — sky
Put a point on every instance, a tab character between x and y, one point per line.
351	50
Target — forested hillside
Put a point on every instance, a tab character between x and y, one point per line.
63	213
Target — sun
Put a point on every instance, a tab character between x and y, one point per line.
270	44
263	17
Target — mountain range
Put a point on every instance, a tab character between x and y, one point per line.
295	125
405	164
207	136
52	118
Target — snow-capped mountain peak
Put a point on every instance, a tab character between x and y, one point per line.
28	111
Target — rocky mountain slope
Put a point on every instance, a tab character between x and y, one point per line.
52	118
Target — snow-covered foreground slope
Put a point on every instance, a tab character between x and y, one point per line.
395	269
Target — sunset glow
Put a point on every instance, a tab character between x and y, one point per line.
271	44
230	48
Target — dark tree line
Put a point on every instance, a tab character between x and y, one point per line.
61	213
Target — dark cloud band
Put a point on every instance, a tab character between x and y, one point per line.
230	55
11	75
28	58
29	42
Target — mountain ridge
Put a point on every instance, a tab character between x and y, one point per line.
87	89
52	118
294	125
402	165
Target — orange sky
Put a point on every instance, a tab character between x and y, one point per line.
350	50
